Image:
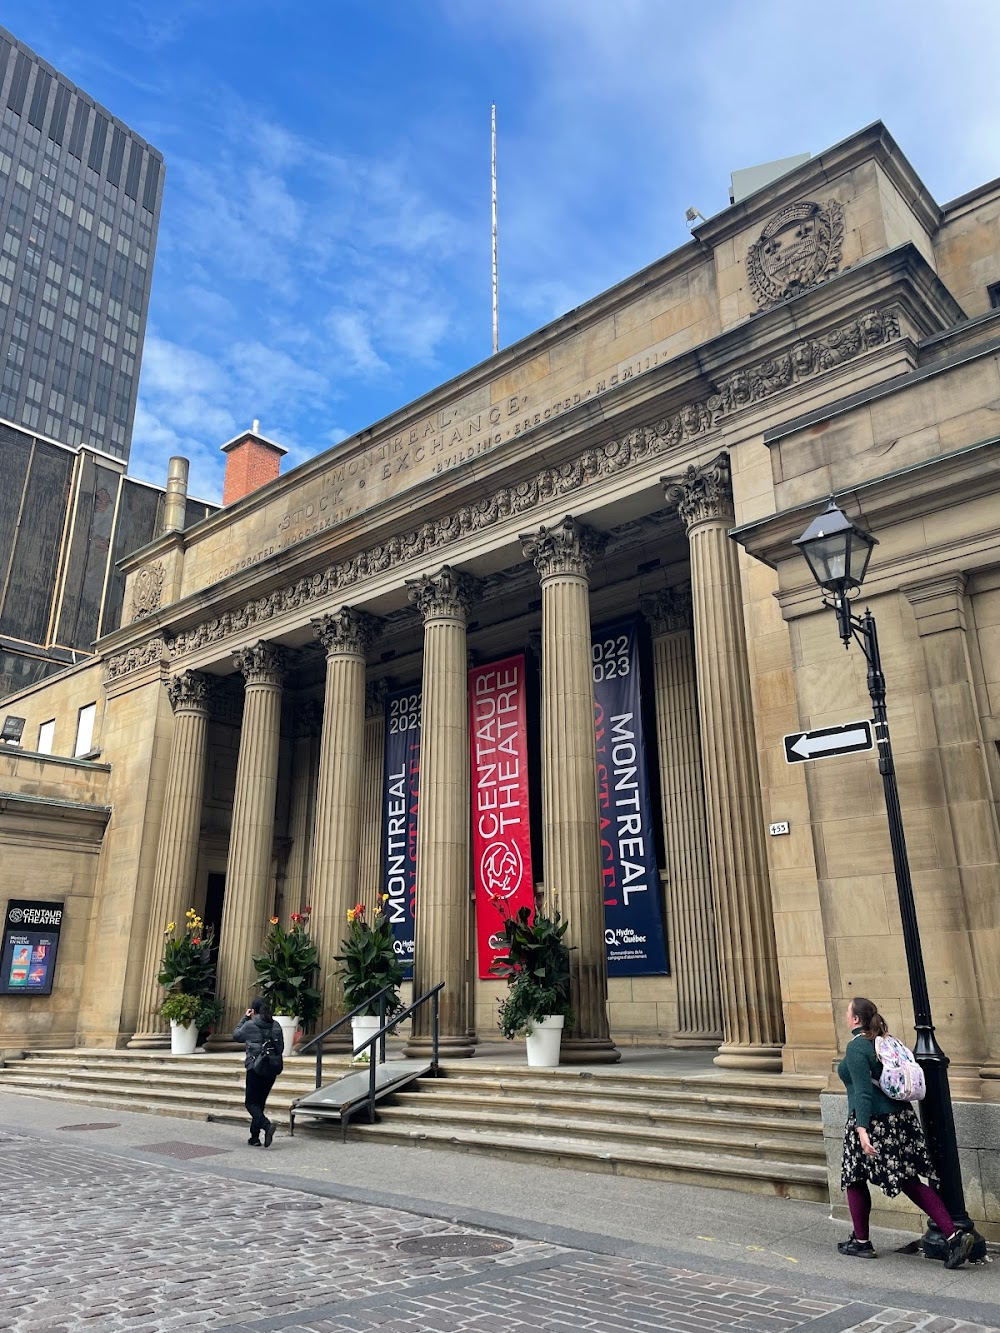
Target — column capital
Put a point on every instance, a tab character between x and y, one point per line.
668	610
308	719
702	493
375	692
261	663
446	595
190	691
568	547
346	631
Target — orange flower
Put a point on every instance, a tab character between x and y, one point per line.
274	920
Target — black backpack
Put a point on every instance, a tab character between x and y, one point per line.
270	1058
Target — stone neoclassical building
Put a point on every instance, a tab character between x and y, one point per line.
614	497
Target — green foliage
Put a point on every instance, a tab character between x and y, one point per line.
286	970
182	1008
369	962
536	970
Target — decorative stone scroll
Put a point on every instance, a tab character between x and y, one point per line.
567	548
448	594
147	591
191	689
668	610
799	247
347	631
743	388
135	658
261	663
701	493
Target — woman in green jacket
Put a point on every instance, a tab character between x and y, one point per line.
884	1144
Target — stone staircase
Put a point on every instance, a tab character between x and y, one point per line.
755	1133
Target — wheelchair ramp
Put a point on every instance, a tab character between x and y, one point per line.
346	1095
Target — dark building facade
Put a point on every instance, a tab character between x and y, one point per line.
80	201
67	516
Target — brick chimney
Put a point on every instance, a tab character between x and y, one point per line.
251	462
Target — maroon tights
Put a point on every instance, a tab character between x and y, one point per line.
859	1200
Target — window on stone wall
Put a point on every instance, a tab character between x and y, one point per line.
85	720
47	737
993	292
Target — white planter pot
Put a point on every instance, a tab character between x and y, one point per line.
543	1043
184	1039
289	1026
362	1027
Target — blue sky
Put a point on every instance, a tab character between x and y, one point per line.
324	249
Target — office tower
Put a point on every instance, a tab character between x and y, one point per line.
79	206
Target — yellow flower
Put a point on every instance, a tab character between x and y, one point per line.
171	927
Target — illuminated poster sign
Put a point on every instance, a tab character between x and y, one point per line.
400	792
501	840
30	945
633	920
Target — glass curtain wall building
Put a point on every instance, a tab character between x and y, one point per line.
80	201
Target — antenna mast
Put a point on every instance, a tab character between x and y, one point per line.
496	308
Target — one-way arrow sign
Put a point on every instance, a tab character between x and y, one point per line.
828	741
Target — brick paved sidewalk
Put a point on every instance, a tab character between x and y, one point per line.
93	1239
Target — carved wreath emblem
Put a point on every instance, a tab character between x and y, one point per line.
798	248
147	590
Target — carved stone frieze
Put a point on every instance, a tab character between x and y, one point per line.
804	360
800	247
447	594
568	547
375	692
135	658
190	690
147	591
346	631
669	610
261	663
700	494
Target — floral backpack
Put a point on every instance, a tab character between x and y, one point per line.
902	1078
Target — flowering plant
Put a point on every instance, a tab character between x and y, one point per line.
369	961
536	969
187	973
286	969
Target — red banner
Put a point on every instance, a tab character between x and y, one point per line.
501	841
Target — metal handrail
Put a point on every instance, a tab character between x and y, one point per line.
379	1036
340	1023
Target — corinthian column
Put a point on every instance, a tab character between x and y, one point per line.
685	836
751	995
245	907
563	555
177	850
336	831
442	890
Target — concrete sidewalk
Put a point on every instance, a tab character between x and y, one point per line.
712	1231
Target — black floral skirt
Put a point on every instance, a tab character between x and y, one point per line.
900	1152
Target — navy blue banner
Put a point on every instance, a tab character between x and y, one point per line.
401	786
633	920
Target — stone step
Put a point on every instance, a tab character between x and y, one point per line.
794	1180
437	1098
740	1141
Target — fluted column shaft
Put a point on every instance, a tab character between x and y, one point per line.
563	556
336	830
245	908
751	993
442	890
177	850
370	862
305	755
685	836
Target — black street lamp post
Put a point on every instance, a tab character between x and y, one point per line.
837	553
